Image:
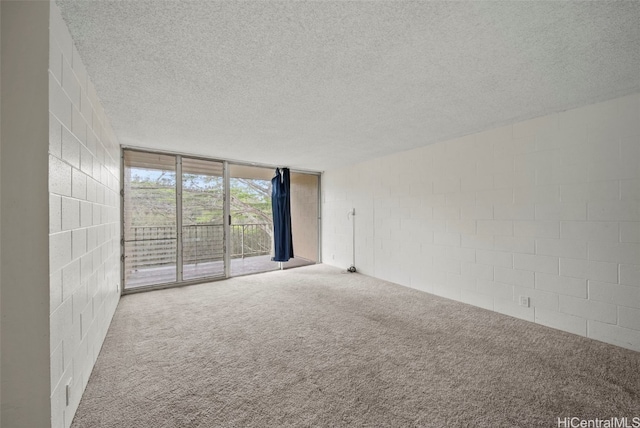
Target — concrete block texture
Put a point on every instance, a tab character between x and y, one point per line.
547	209
84	181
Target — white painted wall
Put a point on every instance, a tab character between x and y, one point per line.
548	208
24	250
84	222
304	215
0	219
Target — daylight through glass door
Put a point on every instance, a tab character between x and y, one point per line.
150	221
173	222
202	219
187	219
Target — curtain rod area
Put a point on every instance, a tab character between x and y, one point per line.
231	161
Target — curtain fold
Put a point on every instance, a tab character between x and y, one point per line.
281	206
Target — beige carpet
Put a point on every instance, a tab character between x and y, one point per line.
316	347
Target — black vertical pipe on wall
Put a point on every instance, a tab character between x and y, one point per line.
281	206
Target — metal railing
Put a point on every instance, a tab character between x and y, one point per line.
248	240
155	246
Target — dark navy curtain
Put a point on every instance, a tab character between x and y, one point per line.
281	206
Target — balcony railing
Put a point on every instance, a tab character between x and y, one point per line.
153	246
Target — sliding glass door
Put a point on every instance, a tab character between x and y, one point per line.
173	222
251	219
187	219
202	219
150	219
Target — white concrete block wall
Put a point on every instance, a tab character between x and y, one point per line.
547	208
84	175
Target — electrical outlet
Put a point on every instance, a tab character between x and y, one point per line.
524	301
68	391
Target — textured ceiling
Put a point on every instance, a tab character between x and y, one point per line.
316	85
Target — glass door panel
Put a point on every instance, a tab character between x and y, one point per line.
251	219
202	219
150	233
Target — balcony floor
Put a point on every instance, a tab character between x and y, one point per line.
239	266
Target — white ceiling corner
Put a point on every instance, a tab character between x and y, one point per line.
317	85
